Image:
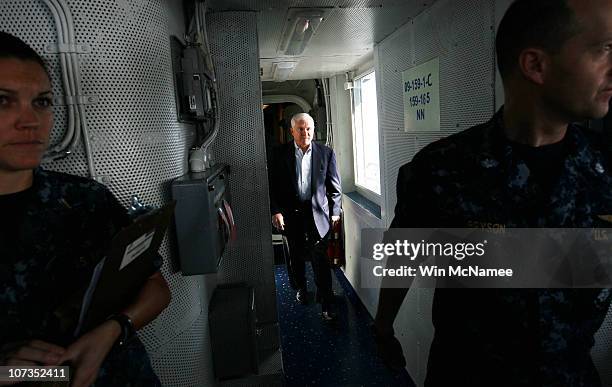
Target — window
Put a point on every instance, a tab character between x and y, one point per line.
367	160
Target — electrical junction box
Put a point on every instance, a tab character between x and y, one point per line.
203	218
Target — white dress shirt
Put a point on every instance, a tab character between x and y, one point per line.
303	164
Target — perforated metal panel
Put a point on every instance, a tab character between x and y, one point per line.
189	356
342	40
460	33
350	29
241	144
393	55
602	353
262	5
138	146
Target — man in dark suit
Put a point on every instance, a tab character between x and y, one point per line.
305	203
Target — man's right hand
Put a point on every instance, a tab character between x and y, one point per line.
389	349
278	221
31	353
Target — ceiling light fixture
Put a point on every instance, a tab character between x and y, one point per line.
282	70
299	28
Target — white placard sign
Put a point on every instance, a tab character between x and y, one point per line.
421	85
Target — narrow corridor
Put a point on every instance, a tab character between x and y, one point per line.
341	353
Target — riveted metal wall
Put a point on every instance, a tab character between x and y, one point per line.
460	33
137	143
241	144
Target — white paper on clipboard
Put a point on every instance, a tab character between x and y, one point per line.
136	249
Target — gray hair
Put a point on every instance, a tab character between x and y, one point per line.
302	117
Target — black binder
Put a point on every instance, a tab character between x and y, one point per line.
118	278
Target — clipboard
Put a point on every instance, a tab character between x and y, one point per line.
119	276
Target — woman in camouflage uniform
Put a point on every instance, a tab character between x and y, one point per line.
53	228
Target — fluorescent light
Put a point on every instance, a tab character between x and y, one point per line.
282	70
299	28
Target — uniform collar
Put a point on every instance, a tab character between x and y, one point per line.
583	167
499	149
40	184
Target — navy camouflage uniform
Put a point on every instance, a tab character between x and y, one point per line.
508	337
51	237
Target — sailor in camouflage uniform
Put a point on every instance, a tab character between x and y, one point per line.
55	228
48	251
527	167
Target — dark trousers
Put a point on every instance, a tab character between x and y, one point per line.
306	244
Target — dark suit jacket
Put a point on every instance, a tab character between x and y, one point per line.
325	184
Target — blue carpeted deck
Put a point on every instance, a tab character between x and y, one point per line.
316	353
